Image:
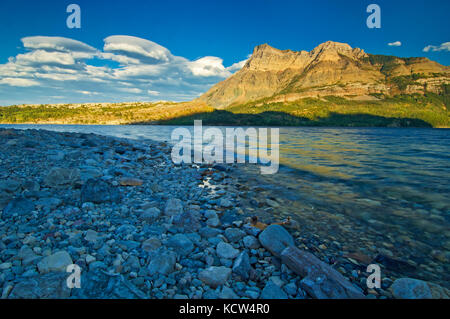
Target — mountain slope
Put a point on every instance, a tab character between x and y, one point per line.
332	68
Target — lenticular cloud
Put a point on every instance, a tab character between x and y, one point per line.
127	68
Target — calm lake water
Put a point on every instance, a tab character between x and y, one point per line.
377	190
415	158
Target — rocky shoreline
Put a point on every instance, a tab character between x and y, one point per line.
141	227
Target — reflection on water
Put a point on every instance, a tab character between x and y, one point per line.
375	189
415	161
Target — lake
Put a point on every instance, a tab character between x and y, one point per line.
372	191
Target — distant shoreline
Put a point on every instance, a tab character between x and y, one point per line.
399	111
228	125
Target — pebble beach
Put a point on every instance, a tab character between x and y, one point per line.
139	226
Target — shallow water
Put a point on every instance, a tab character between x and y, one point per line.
371	189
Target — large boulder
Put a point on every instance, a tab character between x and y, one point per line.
98	191
275	239
409	288
320	280
215	276
62	177
49	286
56	262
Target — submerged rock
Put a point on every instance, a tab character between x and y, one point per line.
409	288
275	239
394	263
225	203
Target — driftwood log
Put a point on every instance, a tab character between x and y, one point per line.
319	279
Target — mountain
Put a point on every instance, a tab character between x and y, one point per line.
333	85
331	69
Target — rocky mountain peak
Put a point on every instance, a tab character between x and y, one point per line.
264	48
332	46
332	68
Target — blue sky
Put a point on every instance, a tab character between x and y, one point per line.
175	50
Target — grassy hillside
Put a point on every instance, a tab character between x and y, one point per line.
121	113
401	111
417	110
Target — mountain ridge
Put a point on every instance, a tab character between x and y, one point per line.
332	68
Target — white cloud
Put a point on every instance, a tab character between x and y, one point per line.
56	43
45	57
443	47
136	46
395	44
57	76
70	70
18	82
237	66
208	66
155	93
131	90
87	92
122	59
